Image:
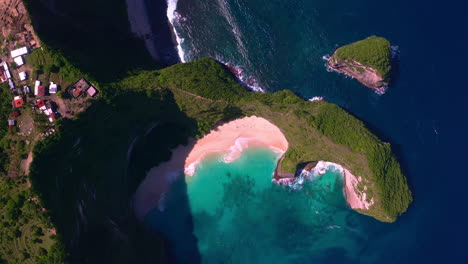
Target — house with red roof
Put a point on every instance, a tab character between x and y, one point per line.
41	90
40	103
18	102
3	77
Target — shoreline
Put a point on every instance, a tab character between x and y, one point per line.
379	89
233	137
229	139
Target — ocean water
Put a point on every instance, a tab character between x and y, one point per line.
280	45
234	213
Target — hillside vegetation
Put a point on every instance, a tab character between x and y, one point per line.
316	131
374	52
106	151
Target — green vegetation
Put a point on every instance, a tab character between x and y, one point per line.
5	109
51	66
374	52
336	135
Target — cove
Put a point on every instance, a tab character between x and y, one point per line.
234	213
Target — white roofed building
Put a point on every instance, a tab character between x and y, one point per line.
19	61
19	52
53	87
36	87
6	70
22	76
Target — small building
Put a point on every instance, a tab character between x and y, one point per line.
41	104
6	70
36	86
18	102
91	91
11	124
22	76
79	88
53	88
41	90
19	52
52	117
3	77
19	61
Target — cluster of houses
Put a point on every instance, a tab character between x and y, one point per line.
5	73
46	110
80	88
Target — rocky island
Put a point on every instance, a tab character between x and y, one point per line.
368	61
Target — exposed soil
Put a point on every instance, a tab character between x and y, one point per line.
364	74
15	27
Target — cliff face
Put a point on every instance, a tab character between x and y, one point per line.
366	75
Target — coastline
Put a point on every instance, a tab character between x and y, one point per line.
233	137
354	199
378	89
229	139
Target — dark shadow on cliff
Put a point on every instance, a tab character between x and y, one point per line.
88	189
93	35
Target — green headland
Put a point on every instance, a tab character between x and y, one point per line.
369	61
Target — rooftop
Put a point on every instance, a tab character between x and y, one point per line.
18	52
19	60
18	102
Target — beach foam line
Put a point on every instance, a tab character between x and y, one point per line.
234	152
173	18
355	199
232	137
242	77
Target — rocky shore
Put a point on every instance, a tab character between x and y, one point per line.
368	76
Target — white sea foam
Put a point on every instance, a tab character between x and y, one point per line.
174	18
246	80
316	98
235	151
321	168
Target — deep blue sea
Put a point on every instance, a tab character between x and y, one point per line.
279	44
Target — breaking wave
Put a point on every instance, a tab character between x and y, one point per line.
321	168
174	18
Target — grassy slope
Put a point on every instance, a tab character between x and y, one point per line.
316	131
374	52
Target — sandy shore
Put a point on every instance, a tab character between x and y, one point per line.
354	199
230	139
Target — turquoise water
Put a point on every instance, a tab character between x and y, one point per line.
234	213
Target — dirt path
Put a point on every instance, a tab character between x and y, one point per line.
25	164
